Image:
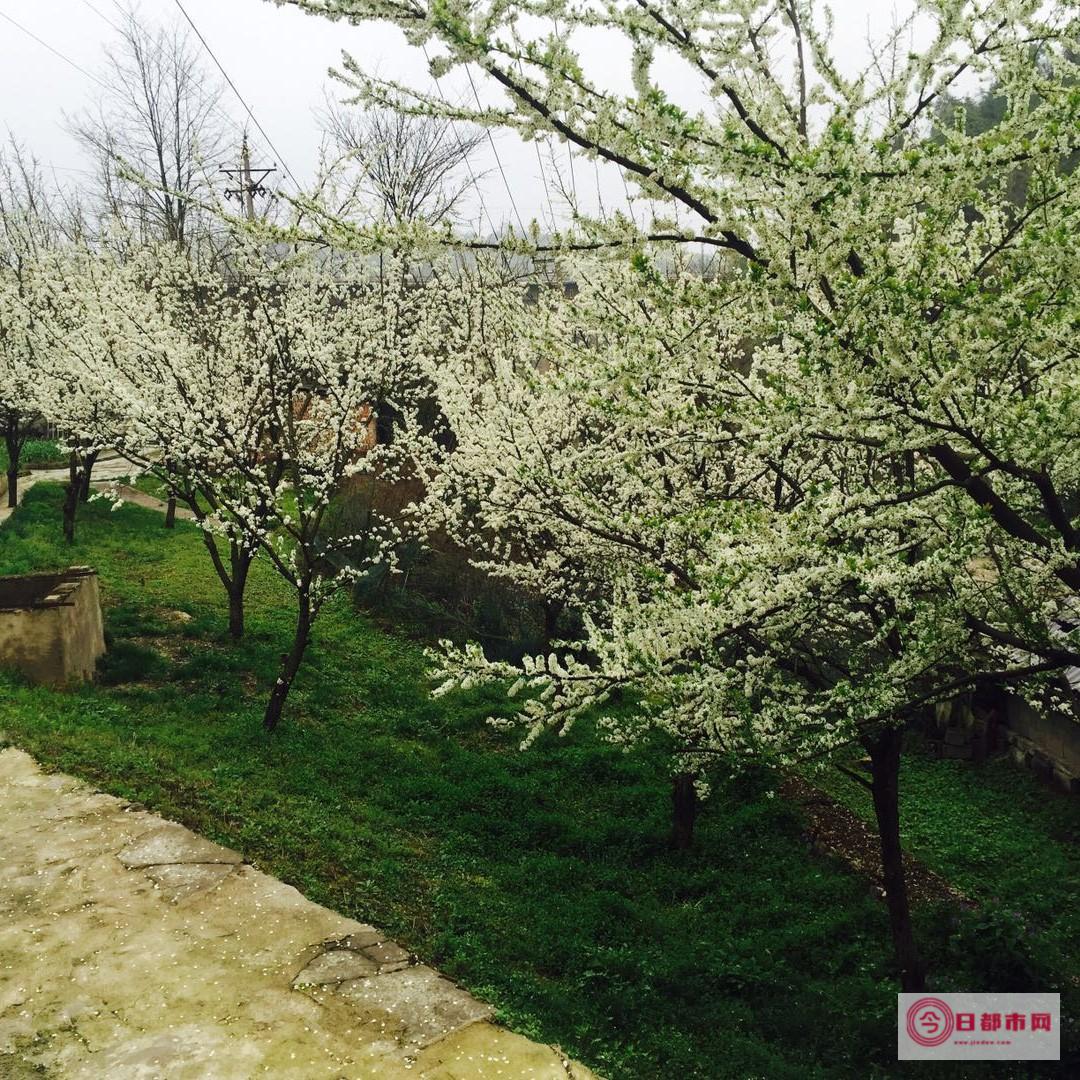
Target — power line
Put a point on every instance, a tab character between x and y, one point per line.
599	197
498	160
67	60
71	169
101	15
121	31
540	162
465	156
569	147
547	190
55	52
240	97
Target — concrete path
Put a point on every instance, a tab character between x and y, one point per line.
109	468
132	949
136	497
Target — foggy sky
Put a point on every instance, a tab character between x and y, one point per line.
279	58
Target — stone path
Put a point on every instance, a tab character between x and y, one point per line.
132	949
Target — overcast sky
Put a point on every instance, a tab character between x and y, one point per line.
278	59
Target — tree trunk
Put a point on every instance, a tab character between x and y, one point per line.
170	506
236	613
241	563
290	663
684	810
234	577
88	462
885	772
71	498
13	440
552	610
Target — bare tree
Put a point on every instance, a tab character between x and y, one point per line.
409	166
154	133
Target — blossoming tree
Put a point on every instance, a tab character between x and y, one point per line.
25	233
877	506
15	377
258	388
46	298
625	432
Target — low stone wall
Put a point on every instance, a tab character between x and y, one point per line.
51	628
1045	741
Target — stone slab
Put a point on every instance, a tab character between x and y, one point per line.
178	961
171	844
417	1002
334	966
178	881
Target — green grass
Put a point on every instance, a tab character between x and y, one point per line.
149	484
539	880
36	454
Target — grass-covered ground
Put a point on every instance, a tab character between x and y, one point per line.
540	880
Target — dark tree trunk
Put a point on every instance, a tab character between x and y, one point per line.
236	613
684	811
88	463
234	577
290	663
241	563
885	772
71	498
13	441
170	506
552	610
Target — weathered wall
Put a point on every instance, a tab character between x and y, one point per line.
1045	741
50	625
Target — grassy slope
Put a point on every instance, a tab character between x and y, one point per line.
541	880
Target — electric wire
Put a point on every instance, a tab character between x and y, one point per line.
55	52
240	97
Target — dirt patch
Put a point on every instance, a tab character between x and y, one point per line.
833	829
175	651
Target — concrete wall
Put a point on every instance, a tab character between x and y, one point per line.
50	625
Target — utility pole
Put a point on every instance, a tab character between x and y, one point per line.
251	181
249	198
